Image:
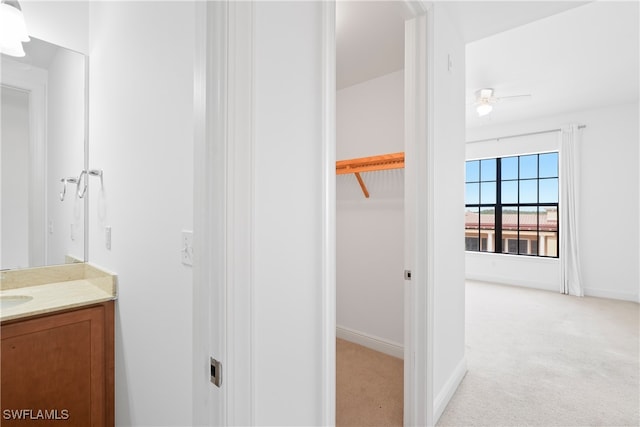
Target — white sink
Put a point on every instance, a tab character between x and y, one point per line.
10	301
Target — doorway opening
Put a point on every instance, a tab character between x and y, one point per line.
370	128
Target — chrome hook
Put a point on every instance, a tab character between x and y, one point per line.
97	172
64	189
81	181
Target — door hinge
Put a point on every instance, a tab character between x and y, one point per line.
216	372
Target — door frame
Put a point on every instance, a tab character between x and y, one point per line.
35	84
419	215
419	210
223	281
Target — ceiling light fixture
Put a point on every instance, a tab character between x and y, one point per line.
484	108
13	30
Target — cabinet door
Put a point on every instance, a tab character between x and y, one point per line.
53	368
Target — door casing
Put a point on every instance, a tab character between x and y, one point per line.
223	142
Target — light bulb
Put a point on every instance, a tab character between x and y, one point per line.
484	109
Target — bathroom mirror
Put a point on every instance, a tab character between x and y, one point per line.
43	153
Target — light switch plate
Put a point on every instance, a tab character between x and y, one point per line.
107	237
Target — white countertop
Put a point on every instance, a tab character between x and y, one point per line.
55	288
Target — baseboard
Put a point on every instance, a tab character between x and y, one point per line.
442	399
522	283
370	341
605	293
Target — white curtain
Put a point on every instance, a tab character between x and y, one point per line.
570	271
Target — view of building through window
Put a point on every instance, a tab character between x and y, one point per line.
512	205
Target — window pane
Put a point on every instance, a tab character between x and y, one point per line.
528	220
472	173
509	228
472	228
548	244
488	170
533	247
549	165
523	246
471	219
548	219
529	191
509	192
529	166
488	192
549	190
487	229
509	168
471	244
528	227
512	246
472	194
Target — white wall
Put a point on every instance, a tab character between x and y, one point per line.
141	136
65	155
287	212
609	199
370	232
14	141
449	364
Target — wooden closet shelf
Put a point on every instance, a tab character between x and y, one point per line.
369	164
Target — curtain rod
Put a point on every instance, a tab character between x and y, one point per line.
520	134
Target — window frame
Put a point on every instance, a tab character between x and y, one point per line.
499	238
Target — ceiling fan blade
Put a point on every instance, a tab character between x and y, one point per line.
513	96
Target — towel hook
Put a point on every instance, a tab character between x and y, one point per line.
64	189
81	181
64	181
97	172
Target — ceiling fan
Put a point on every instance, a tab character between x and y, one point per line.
485	100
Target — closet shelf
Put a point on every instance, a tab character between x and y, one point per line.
369	164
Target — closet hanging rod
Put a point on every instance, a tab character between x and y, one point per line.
520	134
369	164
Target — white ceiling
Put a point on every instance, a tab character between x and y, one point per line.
478	19
369	39
580	59
569	55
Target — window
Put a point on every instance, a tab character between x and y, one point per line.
511	205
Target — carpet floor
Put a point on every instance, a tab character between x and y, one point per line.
538	358
534	358
369	387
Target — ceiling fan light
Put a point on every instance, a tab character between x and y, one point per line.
484	109
13	30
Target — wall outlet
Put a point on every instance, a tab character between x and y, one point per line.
186	249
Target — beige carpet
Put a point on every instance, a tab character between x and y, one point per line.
369	387
539	358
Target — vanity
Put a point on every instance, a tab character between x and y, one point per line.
57	350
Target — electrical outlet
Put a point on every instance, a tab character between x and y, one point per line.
186	249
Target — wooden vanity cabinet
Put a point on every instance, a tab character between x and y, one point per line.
58	369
